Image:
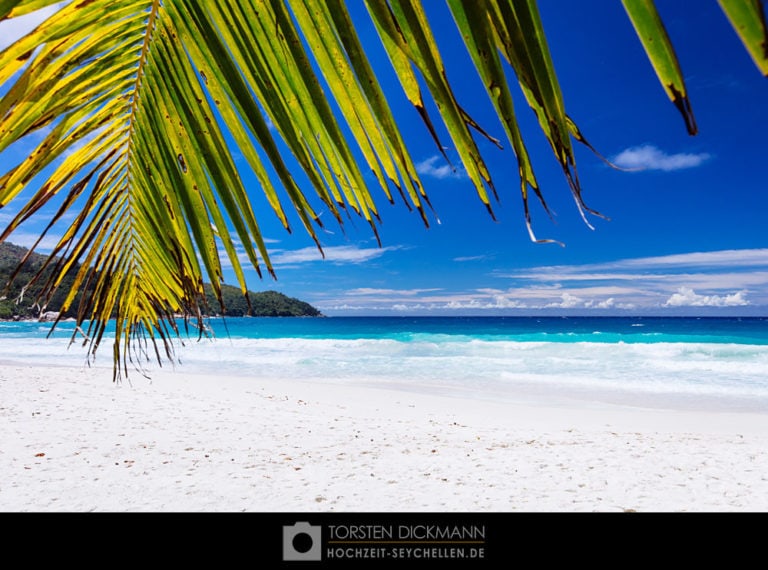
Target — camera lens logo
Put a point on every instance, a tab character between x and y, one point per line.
301	541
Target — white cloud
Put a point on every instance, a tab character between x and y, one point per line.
649	281
724	279
648	157
489	301
568	301
495	302
429	167
605	304
27	239
337	254
504	302
405	308
15	28
686	297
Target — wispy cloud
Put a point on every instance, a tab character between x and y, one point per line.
648	157
697	279
672	284
436	167
337	254
366	291
722	258
475	301
473	258
715	279
669	280
711	260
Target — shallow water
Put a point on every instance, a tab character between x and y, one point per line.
655	362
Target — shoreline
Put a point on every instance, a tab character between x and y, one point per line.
184	442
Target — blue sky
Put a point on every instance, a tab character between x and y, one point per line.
687	228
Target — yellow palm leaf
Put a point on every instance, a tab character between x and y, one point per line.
139	107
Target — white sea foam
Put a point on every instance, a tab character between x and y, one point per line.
730	376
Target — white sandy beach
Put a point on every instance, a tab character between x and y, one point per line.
74	441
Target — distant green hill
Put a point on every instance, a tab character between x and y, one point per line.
264	304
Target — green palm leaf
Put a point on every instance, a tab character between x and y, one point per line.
140	106
748	19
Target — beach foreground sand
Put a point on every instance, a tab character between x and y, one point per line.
74	441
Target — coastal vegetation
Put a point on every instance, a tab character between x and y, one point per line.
141	115
20	300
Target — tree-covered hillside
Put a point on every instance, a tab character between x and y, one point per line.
264	304
18	306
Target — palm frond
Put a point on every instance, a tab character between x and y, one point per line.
653	35
140	105
748	19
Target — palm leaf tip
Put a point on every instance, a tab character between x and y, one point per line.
661	53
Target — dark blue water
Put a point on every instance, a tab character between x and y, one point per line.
521	329
740	330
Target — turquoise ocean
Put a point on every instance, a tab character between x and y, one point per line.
697	363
